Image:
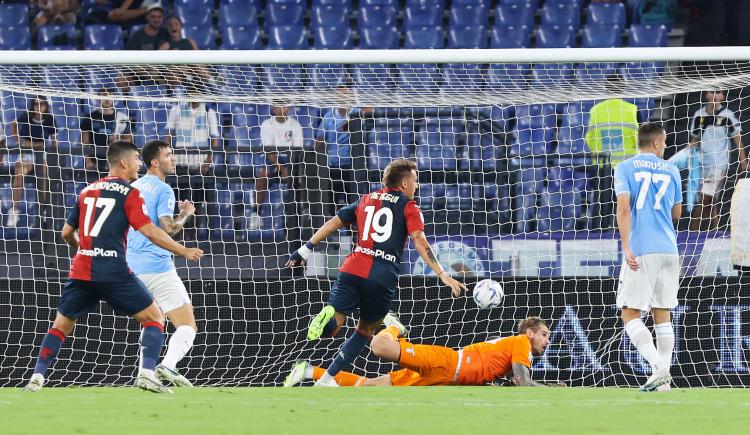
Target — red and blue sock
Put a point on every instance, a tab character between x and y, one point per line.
51	344
152	339
349	352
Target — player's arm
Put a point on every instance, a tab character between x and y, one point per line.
173	225
68	234
299	256
161	239
522	377
428	255
623	224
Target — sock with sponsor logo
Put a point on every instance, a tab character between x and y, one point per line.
348	353
665	342
642	339
152	339
343	379
51	344
179	344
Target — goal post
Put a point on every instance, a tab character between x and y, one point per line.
513	186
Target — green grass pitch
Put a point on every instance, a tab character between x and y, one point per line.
364	411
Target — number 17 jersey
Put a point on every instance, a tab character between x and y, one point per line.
384	219
654	186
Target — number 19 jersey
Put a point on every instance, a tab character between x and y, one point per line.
384	220
103	214
654	186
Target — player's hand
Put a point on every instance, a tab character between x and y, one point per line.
295	260
193	254
186	207
456	286
631	260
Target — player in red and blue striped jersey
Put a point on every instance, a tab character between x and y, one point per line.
103	214
368	278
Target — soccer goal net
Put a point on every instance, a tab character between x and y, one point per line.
515	151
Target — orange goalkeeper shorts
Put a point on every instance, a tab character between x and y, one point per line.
425	365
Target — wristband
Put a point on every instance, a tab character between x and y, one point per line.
306	250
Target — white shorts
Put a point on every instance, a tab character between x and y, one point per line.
167	288
653	285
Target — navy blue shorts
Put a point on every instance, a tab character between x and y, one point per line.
127	296
350	292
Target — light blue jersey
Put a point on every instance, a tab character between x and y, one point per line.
142	255
654	186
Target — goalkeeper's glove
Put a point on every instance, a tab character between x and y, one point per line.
299	256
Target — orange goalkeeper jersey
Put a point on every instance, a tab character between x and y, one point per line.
484	362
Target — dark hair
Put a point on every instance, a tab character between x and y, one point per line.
151	151
175	17
117	151
38	98
531	322
104	91
396	171
647	133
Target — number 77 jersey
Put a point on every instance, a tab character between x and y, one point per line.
654	187
104	212
384	220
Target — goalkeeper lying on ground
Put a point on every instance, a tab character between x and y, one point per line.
424	365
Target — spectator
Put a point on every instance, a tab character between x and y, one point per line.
152	35
714	127
176	41
55	12
740	227
129	10
31	129
193	127
612	135
102	127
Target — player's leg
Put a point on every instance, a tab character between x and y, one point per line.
349	351
342	300
664	299
385	344
303	370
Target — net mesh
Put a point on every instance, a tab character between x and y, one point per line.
509	187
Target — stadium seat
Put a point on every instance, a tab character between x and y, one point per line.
102	37
308	118
238	14
283	78
569	3
65	110
204	36
570	141
241	38
388	140
424	37
287	38
502	76
380	2
436	146
372	77
327	76
57	37
612	14
379	37
535	116
15	38
246	119
205	5
342	3
647	35
468	14
422	14
533	3
461	77
14	15
193	16
284	14
333	37
330	16
28	225
555	37
483	154
576	114
377	15
552	74
641	71
467	37
560	14
510	37
59	77
594	74
418	77
528	185
514	14
601	36
529	143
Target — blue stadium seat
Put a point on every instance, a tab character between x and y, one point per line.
601	36
284	14
14	15
377	15
555	37
333	37
246	120
469	14
424	37
65	111
534	116
529	184
15	38
552	74
483	154
388	140
461	77
535	142
533	3
379	37
327	76
28	225
594	74
102	37
204	36
570	141
193	16
380	2
220	215
432	196
343	3
561	201
237	14
244	164
372	77
501	76
640	71
514	14
418	77
645	106
436	146
69	137
330	15
467	37
510	37
560	14
612	14
283	78
242	77
647	35
577	114
241	38
308	118
205	5
287	38
58	77
422	14
57	37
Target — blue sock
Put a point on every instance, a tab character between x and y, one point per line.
152	339
331	328
349	352
50	346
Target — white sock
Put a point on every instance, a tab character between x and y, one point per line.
642	339
325	378
309	372
665	342
179	344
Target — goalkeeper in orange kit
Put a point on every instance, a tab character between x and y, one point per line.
425	365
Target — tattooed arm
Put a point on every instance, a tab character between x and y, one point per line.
425	251
522	378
